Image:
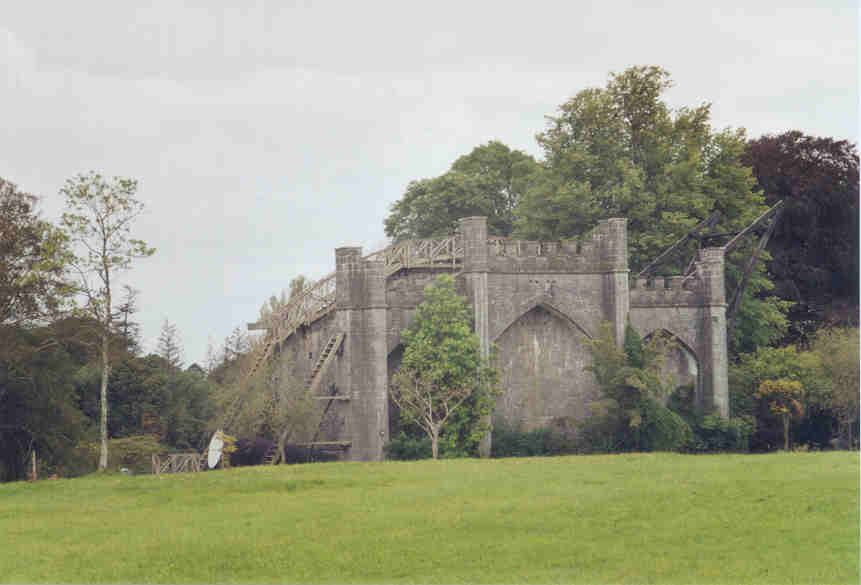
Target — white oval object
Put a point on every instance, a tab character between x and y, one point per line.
215	446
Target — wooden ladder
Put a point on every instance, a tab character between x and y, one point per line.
312	383
326	357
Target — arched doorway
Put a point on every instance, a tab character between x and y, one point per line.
542	358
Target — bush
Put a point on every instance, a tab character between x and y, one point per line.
715	433
663	429
511	441
134	453
406	448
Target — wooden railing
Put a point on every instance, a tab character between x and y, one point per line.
436	252
318	298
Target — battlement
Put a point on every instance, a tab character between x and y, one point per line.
667	291
603	249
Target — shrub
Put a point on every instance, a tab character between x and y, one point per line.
715	433
509	440
134	453
406	448
663	429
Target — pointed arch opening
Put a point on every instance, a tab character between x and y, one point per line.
545	304
542	358
681	362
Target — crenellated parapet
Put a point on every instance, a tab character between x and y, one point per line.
667	291
604	249
704	286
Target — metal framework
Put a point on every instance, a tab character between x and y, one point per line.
772	216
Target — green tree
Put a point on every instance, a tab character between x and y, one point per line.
838	353
99	216
630	414
784	400
38	403
442	366
33	257
169	345
621	151
772	363
489	181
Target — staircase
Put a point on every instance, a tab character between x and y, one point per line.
312	383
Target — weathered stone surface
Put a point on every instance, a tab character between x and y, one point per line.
539	303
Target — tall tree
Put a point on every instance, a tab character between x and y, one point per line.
488	181
622	151
838	351
442	367
129	329
815	245
33	258
99	217
169	345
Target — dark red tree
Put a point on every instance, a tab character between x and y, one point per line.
815	245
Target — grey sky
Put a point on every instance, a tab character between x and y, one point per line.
265	137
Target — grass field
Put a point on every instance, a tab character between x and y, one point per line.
644	518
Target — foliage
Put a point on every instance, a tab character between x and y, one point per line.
408	448
98	221
33	255
149	396
227	449
512	441
38	403
714	433
815	245
784	399
442	369
630	414
663	429
621	151
838	353
489	181
283	408
769	363
169	345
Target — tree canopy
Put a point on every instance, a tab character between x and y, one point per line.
815	245
442	370
489	181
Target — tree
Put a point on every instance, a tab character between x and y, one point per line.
633	386
33	256
38	404
838	352
442	366
169	345
98	220
488	181
130	330
815	245
621	151
773	363
784	400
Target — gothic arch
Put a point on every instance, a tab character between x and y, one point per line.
546	303
682	361
542	358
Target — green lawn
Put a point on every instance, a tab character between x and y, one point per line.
645	518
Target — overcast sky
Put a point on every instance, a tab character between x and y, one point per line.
263	138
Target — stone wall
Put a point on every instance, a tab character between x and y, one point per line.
538	303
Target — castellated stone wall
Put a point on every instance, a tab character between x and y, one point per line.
537	304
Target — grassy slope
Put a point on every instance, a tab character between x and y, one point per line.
651	518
